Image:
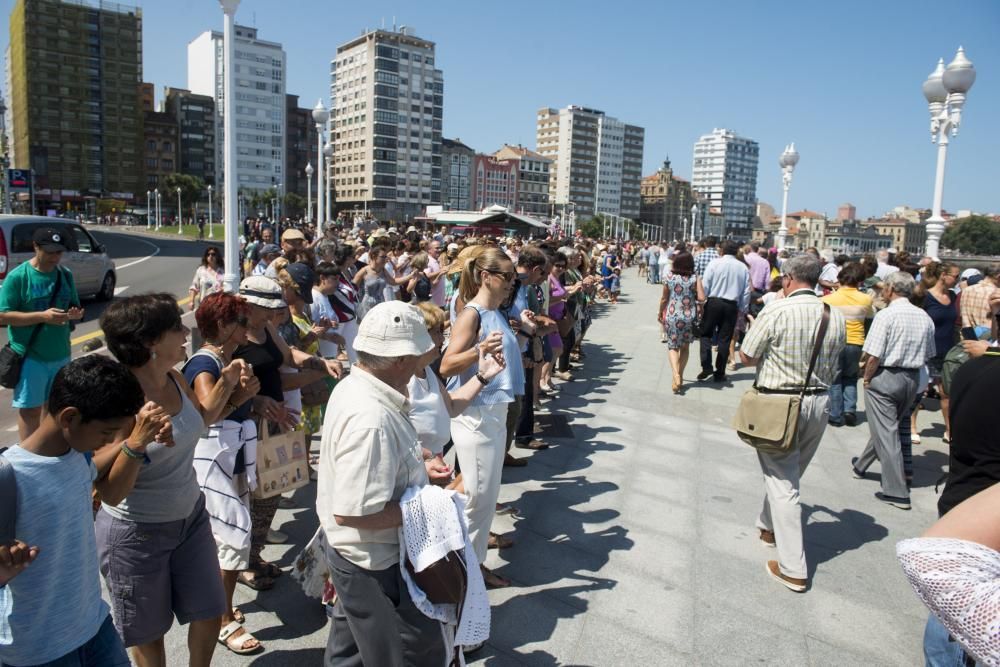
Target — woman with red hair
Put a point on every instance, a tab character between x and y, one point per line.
225	456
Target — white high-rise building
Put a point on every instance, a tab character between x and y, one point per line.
596	160
387	99
260	68
725	174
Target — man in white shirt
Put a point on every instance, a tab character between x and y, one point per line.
724	290
884	268
369	455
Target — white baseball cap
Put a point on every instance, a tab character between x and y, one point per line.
393	329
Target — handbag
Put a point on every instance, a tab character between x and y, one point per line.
769	422
316	393
567	323
10	360
282	464
444	581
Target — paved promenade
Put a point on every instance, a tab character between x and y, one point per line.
636	543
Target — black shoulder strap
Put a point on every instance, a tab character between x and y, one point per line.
8	500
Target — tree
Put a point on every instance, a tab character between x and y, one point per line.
975	235
593	228
294	205
192	189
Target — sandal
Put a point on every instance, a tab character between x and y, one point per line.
494	580
255	580
265	569
497	541
238	643
238	616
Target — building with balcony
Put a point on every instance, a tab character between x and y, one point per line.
159	132
387	99
532	180
74	70
725	174
494	183
456	175
259	80
300	148
196	138
596	160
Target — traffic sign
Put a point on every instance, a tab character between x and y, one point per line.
19	179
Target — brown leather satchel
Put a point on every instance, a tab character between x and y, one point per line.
444	581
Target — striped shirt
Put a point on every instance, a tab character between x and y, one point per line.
703	259
782	339
902	336
856	307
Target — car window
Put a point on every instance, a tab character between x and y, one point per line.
21	237
83	240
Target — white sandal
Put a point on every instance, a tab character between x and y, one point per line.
238	644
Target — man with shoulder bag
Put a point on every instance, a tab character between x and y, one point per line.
795	343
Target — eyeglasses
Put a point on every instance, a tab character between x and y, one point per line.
506	275
560	266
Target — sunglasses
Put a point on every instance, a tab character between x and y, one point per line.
506	275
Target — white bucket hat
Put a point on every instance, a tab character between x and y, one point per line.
262	291
393	329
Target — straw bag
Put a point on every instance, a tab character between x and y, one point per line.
769	422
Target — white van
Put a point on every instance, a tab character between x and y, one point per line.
93	271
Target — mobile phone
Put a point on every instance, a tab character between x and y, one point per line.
969	333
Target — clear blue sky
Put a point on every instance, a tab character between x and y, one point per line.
841	79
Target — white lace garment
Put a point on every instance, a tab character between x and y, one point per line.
959	581
434	525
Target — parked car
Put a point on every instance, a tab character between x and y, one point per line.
93	271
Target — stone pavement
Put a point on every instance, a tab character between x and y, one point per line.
636	543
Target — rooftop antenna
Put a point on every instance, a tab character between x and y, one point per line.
394	24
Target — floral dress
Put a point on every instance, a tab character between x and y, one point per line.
681	310
312	415
206	281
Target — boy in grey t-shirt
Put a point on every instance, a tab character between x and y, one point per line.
51	566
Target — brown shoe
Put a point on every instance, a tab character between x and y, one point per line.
791	583
514	462
767	537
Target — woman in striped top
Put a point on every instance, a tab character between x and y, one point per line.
480	432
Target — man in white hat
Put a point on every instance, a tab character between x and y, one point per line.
368	457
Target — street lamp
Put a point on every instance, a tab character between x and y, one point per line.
230	223
320	117
211	234
149	211
788	160
328	154
694	219
180	219
945	91
309	191
159	210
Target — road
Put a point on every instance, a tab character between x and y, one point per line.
145	263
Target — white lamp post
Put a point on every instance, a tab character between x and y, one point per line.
945	91
211	233
327	167
694	220
320	117
180	217
788	160
309	191
159	210
149	209
230	222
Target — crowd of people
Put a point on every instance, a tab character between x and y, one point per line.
419	359
424	362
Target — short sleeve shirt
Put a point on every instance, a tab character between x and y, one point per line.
28	290
369	455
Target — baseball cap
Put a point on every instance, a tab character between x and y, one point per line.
968	273
393	329
291	234
411	228
270	249
262	291
49	240
304	278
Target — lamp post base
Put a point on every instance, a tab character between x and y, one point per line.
935	229
780	238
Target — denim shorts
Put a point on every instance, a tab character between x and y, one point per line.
32	390
157	570
104	649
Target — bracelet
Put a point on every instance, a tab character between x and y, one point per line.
133	454
230	407
483	381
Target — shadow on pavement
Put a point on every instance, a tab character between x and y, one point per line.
836	533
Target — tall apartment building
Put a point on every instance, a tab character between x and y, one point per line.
532	180
259	78
74	70
300	148
456	175
196	142
387	99
159	131
596	160
725	174
494	183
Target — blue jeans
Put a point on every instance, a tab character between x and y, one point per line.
654	272
844	390
940	650
105	649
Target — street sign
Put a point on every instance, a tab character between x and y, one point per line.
19	179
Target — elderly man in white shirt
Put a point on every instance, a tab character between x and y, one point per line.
724	289
368	457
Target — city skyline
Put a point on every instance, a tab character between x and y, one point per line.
842	82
